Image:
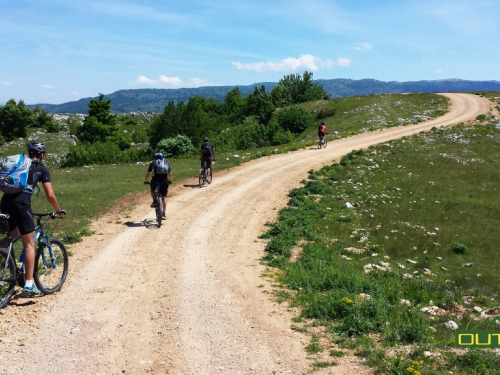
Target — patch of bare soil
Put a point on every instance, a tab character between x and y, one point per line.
188	298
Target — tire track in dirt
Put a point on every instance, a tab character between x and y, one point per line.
185	298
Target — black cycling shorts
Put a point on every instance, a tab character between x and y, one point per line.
163	187
208	160
20	214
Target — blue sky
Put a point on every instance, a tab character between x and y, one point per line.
55	51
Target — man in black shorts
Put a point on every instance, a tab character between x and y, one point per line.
207	153
162	174
18	206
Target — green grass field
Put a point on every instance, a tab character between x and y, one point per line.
431	199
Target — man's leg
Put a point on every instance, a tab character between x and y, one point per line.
29	289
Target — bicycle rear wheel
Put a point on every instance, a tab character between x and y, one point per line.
159	211
51	266
7	278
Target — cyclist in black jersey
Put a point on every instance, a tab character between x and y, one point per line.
207	154
18	206
159	176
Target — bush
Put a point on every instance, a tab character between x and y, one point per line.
294	119
459	248
102	153
325	112
173	147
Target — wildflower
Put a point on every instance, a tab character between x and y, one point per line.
347	300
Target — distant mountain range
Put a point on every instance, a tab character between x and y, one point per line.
154	100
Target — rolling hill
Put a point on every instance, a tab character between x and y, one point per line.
154	100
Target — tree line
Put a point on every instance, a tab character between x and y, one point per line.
260	119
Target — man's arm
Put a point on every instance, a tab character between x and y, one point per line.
51	196
146	179
213	151
170	176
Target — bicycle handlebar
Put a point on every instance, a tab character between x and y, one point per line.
52	215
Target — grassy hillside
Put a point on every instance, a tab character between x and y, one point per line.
366	244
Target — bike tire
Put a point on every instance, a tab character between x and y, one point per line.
201	178
159	211
7	273
325	143
51	266
209	179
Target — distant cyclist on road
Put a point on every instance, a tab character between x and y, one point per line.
162	175
207	154
18	206
322	130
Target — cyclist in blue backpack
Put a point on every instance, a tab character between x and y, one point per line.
207	153
18	206
162	175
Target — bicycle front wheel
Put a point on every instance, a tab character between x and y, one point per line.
159	211
325	143
7	278
51	266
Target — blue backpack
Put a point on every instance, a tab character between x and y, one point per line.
14	174
161	166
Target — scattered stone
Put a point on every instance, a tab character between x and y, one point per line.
405	302
451	325
468	264
363	297
411	261
354	250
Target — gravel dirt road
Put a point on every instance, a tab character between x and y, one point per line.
188	298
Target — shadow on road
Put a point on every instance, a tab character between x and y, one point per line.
192	186
147	223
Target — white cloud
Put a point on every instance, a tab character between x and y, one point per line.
47	86
342	61
172	82
6	83
363	46
74	93
439	71
304	62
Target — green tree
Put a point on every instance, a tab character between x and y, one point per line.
100	125
234	106
260	105
15	118
166	125
45	120
295	89
196	121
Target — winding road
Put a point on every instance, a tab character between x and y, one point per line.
188	298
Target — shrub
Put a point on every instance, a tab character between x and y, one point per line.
481	118
102	153
294	119
325	112
459	248
173	147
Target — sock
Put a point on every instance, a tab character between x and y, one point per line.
28	284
